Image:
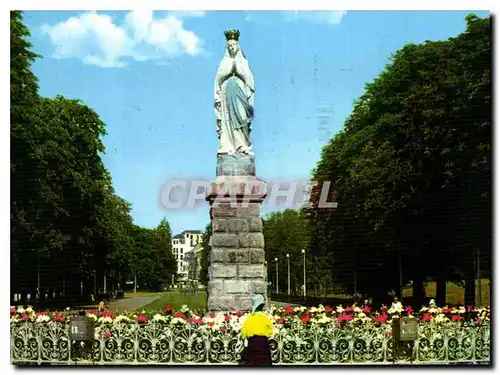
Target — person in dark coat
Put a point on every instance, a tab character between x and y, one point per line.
257	328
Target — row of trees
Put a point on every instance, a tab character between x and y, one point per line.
411	172
70	231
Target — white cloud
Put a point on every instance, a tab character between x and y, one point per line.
97	40
329	17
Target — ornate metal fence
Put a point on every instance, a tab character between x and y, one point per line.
163	344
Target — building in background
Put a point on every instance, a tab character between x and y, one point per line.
184	246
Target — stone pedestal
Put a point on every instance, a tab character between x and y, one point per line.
237	243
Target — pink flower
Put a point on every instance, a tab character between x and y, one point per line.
210	324
288	309
167	309
479	319
366	309
25	317
12	310
212	315
239	314
107	334
223	329
141	319
471	309
348	309
328	309
447	310
457	318
409	310
227	318
389	334
305	319
282	320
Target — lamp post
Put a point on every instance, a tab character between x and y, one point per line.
276	260
304	252
288	258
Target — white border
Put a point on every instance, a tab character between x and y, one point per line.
184	5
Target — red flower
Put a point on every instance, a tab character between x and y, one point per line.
348	309
106	314
344	317
366	309
389	334
58	318
239	314
457	318
288	309
471	309
479	319
223	329
305	319
212	315
141	319
107	334
210	324
227	318
282	320
12	310
167	309
447	310
328	309
426	317
382	318
180	315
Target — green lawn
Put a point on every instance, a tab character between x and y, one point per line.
455	293
176	300
142	294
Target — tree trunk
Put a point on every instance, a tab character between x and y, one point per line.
418	291
470	290
441	290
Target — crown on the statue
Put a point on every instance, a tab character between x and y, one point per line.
232	34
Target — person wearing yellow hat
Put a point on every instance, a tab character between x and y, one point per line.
257	328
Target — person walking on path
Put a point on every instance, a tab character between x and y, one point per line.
257	328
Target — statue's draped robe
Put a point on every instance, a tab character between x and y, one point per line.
234	98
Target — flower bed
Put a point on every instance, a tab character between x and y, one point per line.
322	335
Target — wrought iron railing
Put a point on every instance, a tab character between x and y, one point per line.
156	343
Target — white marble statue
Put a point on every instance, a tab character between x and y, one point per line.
234	98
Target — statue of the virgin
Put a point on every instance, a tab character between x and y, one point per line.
234	98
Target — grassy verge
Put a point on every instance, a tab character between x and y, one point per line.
176	300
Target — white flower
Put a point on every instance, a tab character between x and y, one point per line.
357	309
313	309
340	309
433	310
29	310
160	318
178	320
461	310
92	316
122	318
42	318
20	310
361	315
441	318
184	308
321	308
105	319
424	309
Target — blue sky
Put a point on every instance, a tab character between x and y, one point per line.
150	77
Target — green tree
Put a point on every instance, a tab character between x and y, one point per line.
205	254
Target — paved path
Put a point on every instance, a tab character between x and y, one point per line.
283	304
128	304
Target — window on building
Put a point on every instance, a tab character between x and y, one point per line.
181	251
